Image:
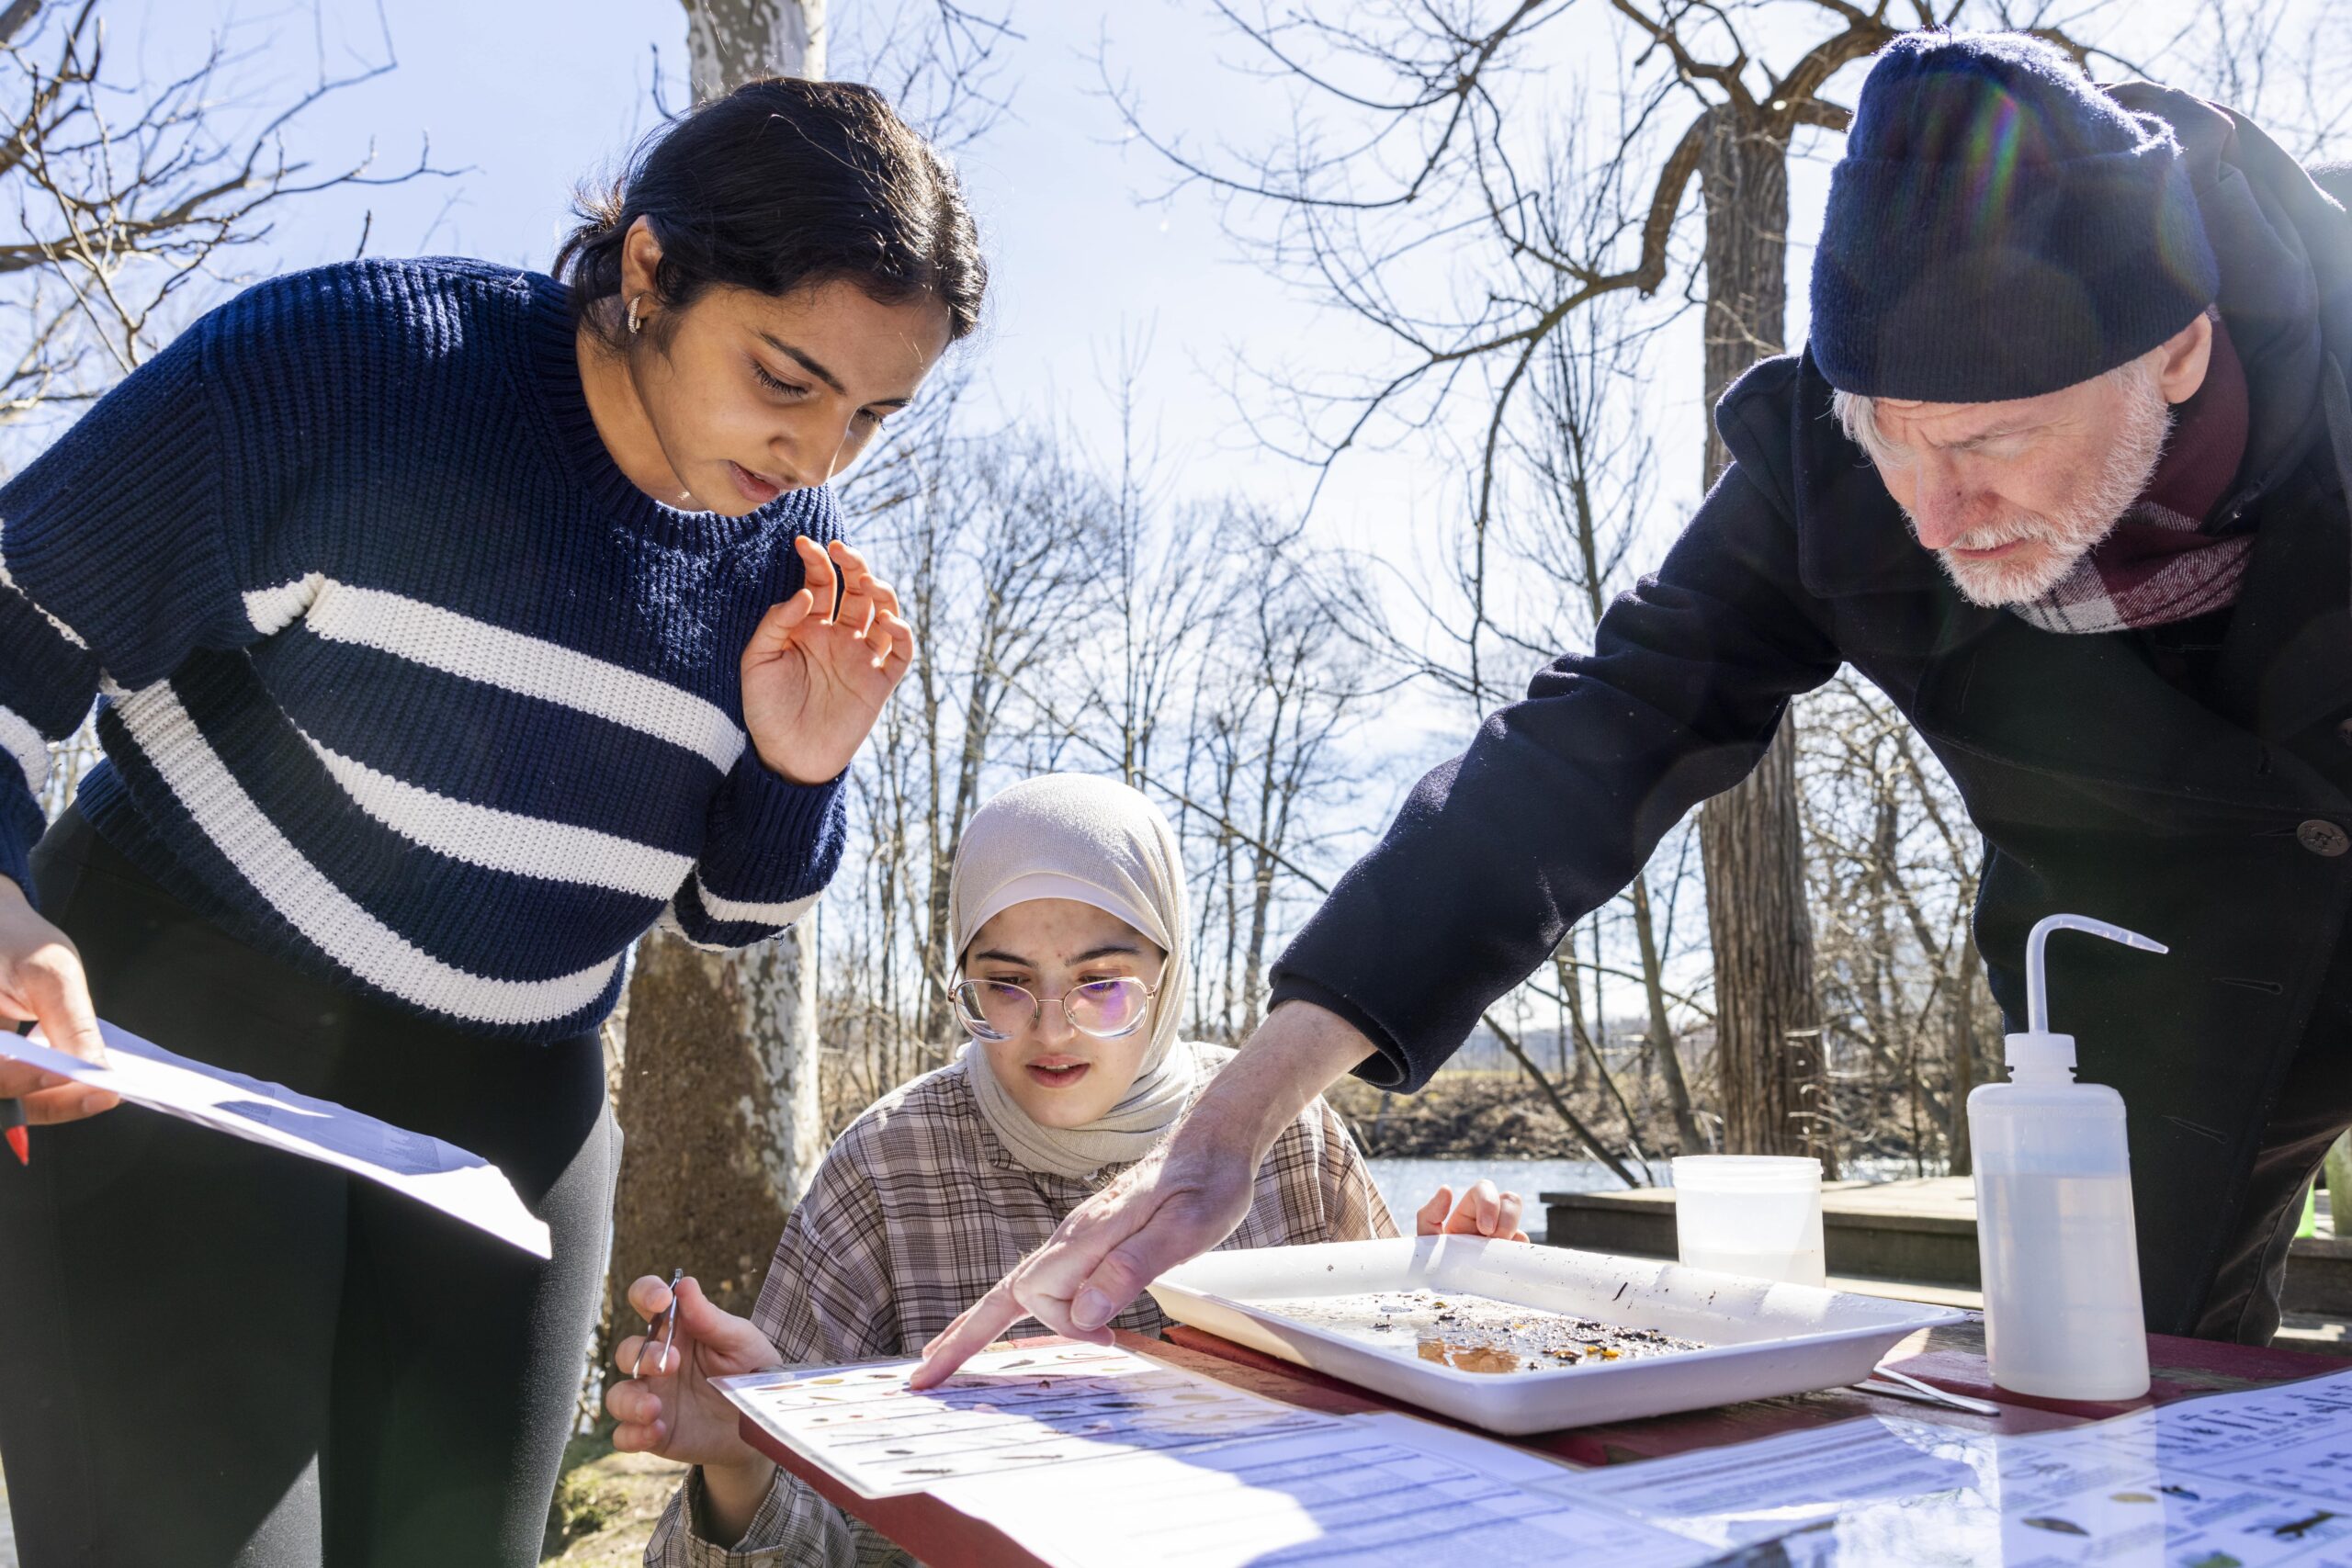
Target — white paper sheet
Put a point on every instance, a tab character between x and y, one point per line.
1763	1489
1884	1491
2296	1435
1006	1410
442	1176
1361	1492
2237	1481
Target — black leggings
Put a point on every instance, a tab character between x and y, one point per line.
212	1353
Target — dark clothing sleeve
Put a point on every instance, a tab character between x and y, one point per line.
115	563
1561	798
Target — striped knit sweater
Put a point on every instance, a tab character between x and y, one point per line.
402	680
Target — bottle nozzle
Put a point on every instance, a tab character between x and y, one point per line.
2038	1050
2037	986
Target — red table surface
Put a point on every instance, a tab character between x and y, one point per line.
1950	1358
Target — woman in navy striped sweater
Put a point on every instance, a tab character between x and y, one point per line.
450	625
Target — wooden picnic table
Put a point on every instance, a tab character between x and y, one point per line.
1950	1357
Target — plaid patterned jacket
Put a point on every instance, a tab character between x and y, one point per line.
915	1213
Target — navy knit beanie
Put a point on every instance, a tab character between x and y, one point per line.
1999	228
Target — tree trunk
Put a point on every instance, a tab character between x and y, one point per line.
730	41
939	1025
1677	1090
717	1075
1564	967
721	1113
1971	999
1768	1037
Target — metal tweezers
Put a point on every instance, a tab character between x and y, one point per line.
1902	1385
667	1325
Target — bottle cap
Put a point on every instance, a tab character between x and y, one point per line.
2041	1055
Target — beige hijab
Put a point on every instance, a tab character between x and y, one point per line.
1096	841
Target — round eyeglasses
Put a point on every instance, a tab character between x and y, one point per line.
999	1010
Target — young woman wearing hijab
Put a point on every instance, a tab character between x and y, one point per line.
456	624
1067	914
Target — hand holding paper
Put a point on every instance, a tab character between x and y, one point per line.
462	1185
40	977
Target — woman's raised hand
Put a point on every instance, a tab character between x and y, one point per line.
1482	1212
820	665
670	1408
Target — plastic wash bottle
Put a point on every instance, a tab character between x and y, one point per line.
2054	1209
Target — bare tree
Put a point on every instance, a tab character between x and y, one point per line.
122	205
1590	461
124	210
1003	566
715	1058
1164	594
1289	694
1576	471
719	1061
992	534
2279	62
1415	130
732	41
1892	866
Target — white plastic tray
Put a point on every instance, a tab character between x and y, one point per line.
1762	1340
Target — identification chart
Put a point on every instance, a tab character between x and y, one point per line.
1007	1410
2229	1481
1383	1491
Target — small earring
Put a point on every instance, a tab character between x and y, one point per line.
635	301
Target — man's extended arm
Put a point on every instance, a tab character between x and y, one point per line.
1560	798
1553	808
1181	1202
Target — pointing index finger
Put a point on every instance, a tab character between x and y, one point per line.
979	1326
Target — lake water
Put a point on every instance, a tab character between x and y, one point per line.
1405	1184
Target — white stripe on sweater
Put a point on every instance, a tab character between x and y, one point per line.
477	650
506	841
341	928
24	743
668	921
275	609
9	582
733	910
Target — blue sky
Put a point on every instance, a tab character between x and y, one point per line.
527	96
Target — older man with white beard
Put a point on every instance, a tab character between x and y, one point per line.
2013	497
2063	470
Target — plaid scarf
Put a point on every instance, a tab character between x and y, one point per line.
2161	563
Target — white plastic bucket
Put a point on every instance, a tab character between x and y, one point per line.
1753	1214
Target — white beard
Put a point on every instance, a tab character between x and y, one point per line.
2068	536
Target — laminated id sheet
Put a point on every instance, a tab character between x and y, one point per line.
1006	1410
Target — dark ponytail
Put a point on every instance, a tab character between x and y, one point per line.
783	185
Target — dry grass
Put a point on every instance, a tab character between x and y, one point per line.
606	1504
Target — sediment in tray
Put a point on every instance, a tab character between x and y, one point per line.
1474	1333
